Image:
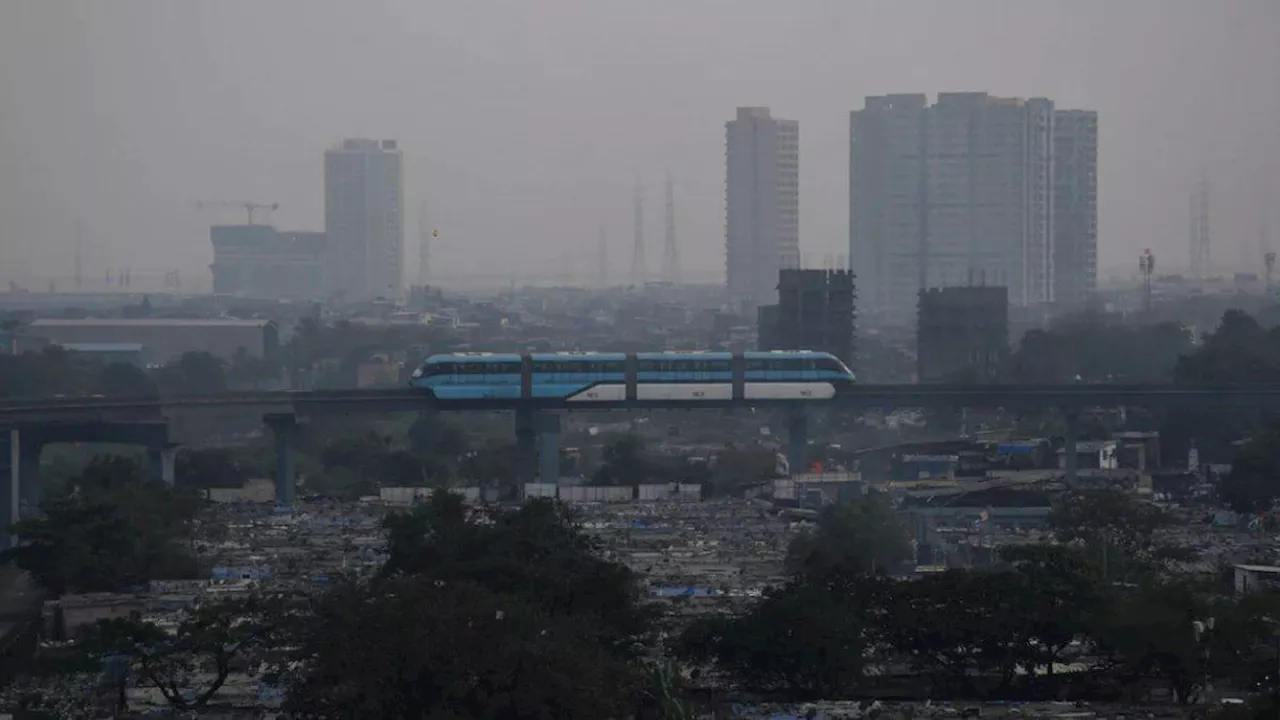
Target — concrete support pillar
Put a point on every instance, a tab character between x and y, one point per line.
1071	456
547	425
29	451
798	440
285	430
526	447
10	482
160	462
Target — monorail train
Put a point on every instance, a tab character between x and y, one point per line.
613	377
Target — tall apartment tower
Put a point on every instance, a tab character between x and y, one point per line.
957	193
762	199
1075	206
364	218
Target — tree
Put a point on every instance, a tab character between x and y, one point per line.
1060	597
623	463
1149	632
215	638
1239	351
413	646
245	370
1092	347
125	380
809	638
1251	486
193	373
538	553
107	530
433	436
1115	529
862	536
960	626
208	467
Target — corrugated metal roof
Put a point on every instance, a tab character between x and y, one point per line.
149	322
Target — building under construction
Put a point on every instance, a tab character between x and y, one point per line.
259	261
815	311
962	333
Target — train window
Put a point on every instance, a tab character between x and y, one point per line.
756	365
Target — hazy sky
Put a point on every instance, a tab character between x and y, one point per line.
526	123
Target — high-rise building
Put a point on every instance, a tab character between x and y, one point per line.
1075	206
962	334
815	311
364	218
961	192
762	199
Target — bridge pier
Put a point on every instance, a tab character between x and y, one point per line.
798	440
20	481
29	450
10	500
526	446
547	425
1070	455
160	461
285	430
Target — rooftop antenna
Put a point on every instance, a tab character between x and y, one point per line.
79	267
638	271
670	254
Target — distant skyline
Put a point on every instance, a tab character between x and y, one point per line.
526	125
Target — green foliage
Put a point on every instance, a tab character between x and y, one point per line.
209	467
193	373
862	536
245	370
623	463
1094	348
107	530
52	371
124	380
809	638
537	553
1116	530
415	646
1240	351
1251	486
215	638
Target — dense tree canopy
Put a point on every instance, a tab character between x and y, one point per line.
865	535
107	530
537	553
415	646
1095	348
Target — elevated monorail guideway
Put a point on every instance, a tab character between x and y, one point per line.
590	378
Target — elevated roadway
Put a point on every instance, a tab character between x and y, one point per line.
160	423
105	409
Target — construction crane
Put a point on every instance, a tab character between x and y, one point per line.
249	206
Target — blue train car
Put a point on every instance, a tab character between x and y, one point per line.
612	377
